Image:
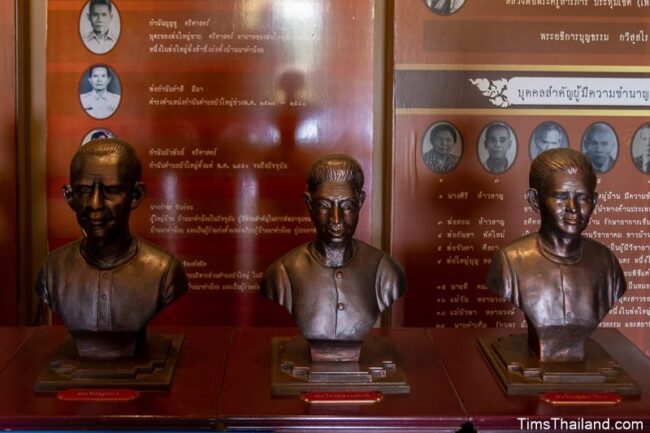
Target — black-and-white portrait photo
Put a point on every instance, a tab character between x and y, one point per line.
497	147
99	26
641	148
442	147
99	91
444	7
96	134
600	145
547	135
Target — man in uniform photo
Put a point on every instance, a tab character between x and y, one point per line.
99	102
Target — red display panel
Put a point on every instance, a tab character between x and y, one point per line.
227	103
523	66
8	161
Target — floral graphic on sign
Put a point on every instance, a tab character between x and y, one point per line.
493	89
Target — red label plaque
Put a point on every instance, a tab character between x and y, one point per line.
581	398
98	395
341	397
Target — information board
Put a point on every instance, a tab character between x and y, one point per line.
500	80
227	103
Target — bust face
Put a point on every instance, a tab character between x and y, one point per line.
334	210
566	203
102	197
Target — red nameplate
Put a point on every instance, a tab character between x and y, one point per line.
97	395
581	398
341	397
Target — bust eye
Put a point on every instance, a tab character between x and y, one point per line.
323	205
83	190
113	190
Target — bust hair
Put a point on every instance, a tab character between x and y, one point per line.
335	168
107	3
563	160
129	161
442	127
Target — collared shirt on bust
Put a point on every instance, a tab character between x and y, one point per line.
97	45
553	291
122	299
100	106
334	303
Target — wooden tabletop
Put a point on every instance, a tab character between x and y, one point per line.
490	408
191	402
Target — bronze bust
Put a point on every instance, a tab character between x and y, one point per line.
108	285
563	282
335	286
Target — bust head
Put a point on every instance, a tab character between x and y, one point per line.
562	189
105	186
334	198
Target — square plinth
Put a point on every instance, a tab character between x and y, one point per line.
153	370
378	369
520	372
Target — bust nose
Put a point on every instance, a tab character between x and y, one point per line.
335	216
571	204
96	199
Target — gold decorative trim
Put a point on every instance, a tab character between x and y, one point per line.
520	112
514	68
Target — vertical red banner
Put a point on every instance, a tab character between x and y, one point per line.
530	74
8	161
227	103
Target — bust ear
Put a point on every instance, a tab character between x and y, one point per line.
67	193
139	191
594	199
362	198
307	197
533	198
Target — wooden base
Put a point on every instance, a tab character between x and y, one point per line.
520	372
151	371
292	371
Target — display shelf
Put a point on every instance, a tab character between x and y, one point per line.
191	402
247	403
489	408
